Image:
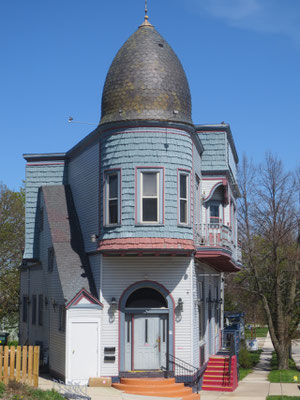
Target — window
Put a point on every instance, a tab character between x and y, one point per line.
41	304
62	318
183	200
112	197
50	259
201	310
25	308
214	212
33	319
41	219
150	196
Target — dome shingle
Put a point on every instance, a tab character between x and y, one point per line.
146	81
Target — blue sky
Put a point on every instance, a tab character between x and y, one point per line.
241	57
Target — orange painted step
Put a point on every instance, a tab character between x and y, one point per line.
147	381
156	387
171	393
193	396
147	388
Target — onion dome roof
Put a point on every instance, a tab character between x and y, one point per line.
146	81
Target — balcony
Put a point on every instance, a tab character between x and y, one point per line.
215	244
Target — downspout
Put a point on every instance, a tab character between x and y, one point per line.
192	311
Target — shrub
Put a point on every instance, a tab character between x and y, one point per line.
2	388
13	343
245	359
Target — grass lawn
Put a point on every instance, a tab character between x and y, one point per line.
17	391
282	397
285	375
258	331
254	357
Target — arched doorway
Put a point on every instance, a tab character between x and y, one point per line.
146	327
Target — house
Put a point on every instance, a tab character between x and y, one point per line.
130	232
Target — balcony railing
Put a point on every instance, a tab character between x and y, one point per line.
215	234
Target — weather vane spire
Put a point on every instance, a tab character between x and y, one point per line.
146	10
146	22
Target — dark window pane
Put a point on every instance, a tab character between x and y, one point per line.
33	310
183	186
146	298
150	210
113	212
41	303
214	211
183	211
113	186
149	184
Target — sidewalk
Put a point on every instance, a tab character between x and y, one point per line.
254	387
102	393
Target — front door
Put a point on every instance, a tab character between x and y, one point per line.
149	342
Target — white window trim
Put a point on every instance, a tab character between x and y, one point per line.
106	196
159	195
187	199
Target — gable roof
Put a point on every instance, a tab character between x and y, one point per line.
72	263
83	294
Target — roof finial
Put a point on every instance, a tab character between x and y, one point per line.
146	10
146	22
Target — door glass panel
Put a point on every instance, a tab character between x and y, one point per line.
146	331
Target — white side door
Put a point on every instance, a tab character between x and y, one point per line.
83	351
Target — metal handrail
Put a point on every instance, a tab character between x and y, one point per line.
184	372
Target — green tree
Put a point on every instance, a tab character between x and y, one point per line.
269	229
11	247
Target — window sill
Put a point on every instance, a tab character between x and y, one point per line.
112	226
143	224
184	226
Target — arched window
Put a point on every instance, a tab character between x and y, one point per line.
146	298
215	206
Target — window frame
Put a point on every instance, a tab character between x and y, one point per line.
107	173
201	311
25	309
159	195
187	174
51	256
215	203
62	318
40	310
41	219
34	308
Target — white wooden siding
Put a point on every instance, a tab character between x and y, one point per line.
120	272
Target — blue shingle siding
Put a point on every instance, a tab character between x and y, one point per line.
142	147
83	177
214	157
38	174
